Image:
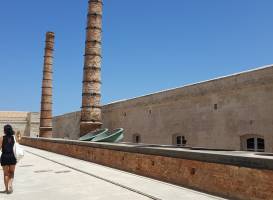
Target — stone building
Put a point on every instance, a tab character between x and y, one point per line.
23	123
233	112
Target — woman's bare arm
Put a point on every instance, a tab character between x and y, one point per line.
1	139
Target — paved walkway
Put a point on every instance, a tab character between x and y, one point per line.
42	175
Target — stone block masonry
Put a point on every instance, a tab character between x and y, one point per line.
235	175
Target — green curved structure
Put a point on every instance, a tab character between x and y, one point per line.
93	134
113	136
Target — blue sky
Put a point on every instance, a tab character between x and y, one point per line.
148	46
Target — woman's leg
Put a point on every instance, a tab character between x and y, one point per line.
11	177
6	176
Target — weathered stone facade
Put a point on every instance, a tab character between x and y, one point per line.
25	123
222	113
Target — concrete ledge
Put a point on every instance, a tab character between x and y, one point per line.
235	158
231	174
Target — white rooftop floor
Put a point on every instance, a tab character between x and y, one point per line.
42	175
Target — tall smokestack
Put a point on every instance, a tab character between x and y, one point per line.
91	94
46	100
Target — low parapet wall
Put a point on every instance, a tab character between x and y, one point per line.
235	175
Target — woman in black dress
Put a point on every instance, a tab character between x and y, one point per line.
8	160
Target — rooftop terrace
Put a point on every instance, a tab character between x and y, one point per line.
43	175
228	174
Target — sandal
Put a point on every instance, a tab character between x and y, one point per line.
10	191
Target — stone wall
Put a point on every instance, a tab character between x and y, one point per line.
33	124
217	113
235	175
67	126
27	123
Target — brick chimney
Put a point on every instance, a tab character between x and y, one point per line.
91	85
46	99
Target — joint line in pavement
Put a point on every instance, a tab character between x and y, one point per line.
99	177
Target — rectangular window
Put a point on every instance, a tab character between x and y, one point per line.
215	106
179	140
260	144
137	139
250	144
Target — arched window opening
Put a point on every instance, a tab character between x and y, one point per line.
253	143
179	140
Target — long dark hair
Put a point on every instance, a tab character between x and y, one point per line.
8	130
